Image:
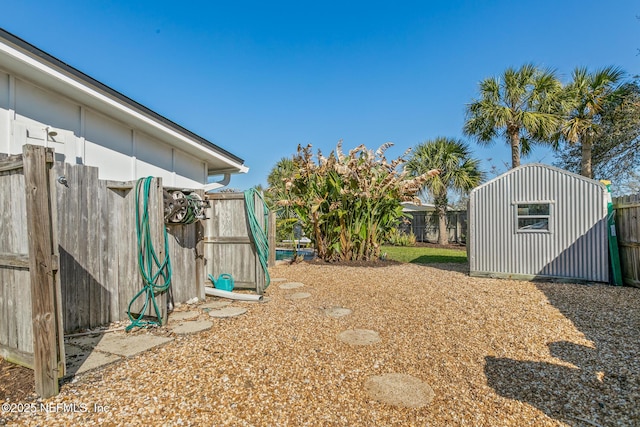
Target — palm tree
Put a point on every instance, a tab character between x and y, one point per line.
458	172
524	105
589	94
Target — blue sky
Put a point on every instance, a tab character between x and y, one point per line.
259	78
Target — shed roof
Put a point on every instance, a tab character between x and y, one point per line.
538	165
412	207
27	61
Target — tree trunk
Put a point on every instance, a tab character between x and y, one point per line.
443	235
514	138
585	163
318	236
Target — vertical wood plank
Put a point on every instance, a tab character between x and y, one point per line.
177	241
199	260
81	255
53	196
102	261
128	283
41	270
272	239
175	237
68	243
156	217
92	262
5	274
129	280
111	212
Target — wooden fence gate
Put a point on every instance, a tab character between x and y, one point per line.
31	330
228	247
628	230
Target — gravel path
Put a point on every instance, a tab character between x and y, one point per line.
494	352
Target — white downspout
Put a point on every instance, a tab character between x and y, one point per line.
218	184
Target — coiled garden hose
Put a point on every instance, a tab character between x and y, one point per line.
155	273
259	231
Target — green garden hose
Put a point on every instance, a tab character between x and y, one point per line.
259	231
156	274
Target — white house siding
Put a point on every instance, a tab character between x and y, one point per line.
108	145
4	113
575	246
150	155
85	136
187	168
40	108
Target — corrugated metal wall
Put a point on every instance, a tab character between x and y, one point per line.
574	247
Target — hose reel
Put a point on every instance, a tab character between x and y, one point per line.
183	206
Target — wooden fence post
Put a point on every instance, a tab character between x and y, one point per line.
272	239
199	254
42	268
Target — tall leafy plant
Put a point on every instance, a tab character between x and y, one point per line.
349	203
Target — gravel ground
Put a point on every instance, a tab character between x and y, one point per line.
494	352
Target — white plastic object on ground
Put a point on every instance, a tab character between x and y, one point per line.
231	295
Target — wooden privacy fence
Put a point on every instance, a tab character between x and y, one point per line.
31	313
99	253
426	230
628	231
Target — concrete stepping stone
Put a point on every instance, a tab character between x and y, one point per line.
298	295
227	312
399	390
291	285
191	327
129	345
120	343
214	305
79	360
359	337
337	312
178	316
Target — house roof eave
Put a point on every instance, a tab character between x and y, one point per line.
28	61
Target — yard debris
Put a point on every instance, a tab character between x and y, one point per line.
494	352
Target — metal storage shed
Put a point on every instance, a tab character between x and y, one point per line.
539	221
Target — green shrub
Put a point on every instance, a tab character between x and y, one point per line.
398	238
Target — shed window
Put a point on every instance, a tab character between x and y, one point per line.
533	216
